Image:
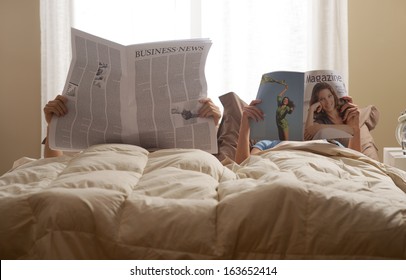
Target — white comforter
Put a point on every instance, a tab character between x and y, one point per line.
307	200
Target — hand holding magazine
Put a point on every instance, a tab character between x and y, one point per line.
302	106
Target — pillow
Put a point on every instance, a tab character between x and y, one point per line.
227	134
369	117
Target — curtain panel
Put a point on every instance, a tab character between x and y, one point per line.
55	21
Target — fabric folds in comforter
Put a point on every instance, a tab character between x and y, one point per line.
300	200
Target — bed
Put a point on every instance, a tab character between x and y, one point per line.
299	200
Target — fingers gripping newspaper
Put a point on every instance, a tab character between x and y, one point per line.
145	94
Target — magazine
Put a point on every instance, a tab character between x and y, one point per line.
144	94
286	98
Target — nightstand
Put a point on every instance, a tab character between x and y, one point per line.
394	156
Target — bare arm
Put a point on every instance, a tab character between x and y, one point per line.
355	141
243	144
311	128
282	93
54	107
351	118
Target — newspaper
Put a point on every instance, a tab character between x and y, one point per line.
145	94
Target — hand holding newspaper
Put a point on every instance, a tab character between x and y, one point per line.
145	94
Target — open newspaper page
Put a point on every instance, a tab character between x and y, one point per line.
145	95
168	81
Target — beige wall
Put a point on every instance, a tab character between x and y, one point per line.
377	61
377	51
20	81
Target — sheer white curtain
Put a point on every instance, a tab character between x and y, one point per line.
250	37
254	37
55	48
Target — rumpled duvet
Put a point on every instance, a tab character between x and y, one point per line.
299	200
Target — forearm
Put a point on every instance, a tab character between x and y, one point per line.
48	152
355	141
310	118
310	127
282	93
243	144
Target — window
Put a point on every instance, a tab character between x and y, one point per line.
250	37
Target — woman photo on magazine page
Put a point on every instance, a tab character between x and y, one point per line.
327	111
285	106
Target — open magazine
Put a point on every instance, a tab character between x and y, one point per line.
287	99
145	94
